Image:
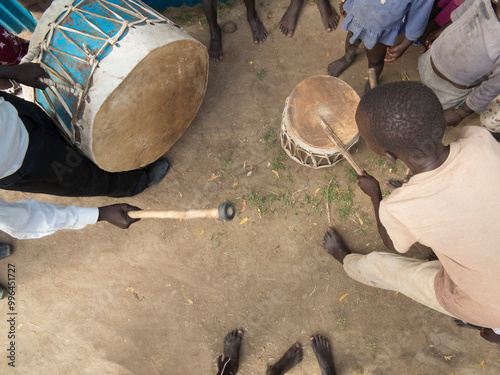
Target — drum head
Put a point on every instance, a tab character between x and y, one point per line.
328	97
151	108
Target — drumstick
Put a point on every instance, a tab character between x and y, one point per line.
225	211
372	78
338	143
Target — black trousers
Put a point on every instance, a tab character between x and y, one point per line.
52	166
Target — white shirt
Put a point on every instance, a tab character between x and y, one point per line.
30	218
13	139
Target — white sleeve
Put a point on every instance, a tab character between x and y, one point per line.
32	219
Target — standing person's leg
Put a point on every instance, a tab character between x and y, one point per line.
329	16
291	358
289	20
323	351
411	277
376	57
229	362
338	66
215	49
52	166
259	32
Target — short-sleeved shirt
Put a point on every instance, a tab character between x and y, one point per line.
382	21
455	210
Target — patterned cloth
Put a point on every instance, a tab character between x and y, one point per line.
12	48
382	21
490	117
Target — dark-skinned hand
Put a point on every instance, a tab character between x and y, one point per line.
27	74
455	116
369	185
435	34
116	214
397	50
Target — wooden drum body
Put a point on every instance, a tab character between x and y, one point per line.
302	136
139	78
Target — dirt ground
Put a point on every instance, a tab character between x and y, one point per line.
159	298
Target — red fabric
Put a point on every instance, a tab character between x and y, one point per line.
12	48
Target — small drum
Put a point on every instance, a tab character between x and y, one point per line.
137	79
302	137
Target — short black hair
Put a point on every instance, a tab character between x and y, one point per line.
405	117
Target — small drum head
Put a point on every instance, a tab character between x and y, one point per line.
303	137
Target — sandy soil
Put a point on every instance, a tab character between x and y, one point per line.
159	297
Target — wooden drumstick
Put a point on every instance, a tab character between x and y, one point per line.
338	143
372	78
225	211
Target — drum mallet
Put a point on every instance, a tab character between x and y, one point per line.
338	143
225	211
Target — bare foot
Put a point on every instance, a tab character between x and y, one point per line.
215	50
329	15
334	245
258	30
290	359
289	19
337	67
321	347
231	361
486	333
489	335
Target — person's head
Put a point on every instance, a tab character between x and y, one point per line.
402	120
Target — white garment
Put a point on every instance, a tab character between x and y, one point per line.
29	218
14	139
32	219
468	51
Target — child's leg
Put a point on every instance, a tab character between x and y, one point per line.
376	57
376	60
329	15
289	19
338	66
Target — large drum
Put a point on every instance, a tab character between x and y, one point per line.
138	79
302	136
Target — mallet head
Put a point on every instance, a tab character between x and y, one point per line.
226	211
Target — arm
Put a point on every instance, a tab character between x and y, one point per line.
27	74
417	19
435	34
488	90
456	14
455	116
371	187
32	219
396	51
